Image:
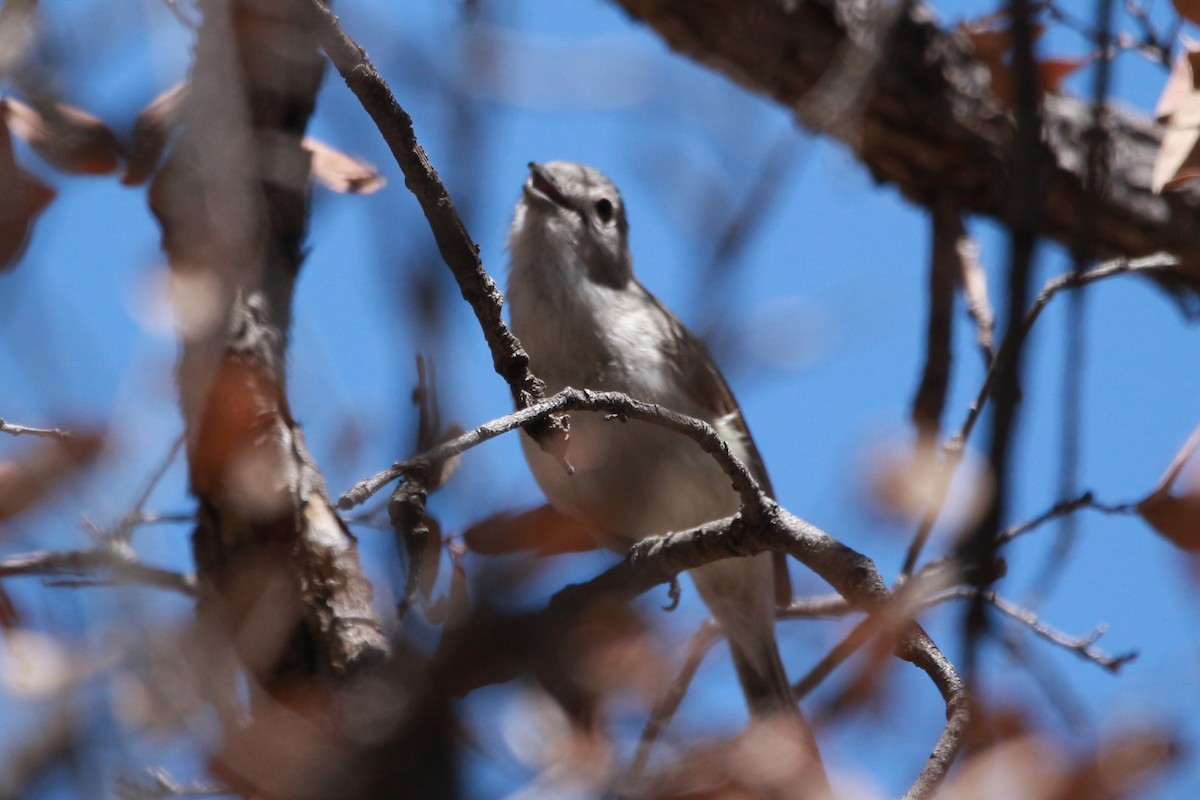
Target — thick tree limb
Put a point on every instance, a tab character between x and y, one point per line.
928	122
233	204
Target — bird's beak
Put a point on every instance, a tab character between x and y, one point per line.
541	186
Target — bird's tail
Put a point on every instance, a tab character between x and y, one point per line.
764	680
739	593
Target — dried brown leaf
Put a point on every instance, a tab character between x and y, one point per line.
1053	71
901	480
1176	516
1180	83
151	131
22	198
340	172
543	530
1028	767
768	759
1188	9
70	139
1178	109
1120	766
1178	160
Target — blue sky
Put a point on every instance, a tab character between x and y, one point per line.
822	321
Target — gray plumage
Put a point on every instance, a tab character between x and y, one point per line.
586	322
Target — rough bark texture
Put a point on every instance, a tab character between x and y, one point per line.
276	566
917	109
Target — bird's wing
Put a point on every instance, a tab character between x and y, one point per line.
704	384
708	389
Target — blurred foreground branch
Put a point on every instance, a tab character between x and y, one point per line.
231	199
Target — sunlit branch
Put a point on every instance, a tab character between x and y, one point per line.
25	430
616	406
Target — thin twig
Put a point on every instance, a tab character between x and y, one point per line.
160	786
822	606
1159	262
1059	693
460	253
859	635
1061	509
660	717
1082	646
118	562
25	430
136	515
930	398
952	449
617	406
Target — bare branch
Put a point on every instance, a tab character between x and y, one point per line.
1062	508
617	406
939	333
853	575
25	430
119	563
136	515
1082	646
921	651
460	253
706	636
930	120
953	448
859	635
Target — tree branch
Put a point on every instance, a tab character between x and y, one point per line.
617	406
706	636
929	122
232	200
1158	264
460	253
119	562
25	430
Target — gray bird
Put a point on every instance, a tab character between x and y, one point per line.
586	322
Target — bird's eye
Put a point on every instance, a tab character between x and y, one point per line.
604	209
